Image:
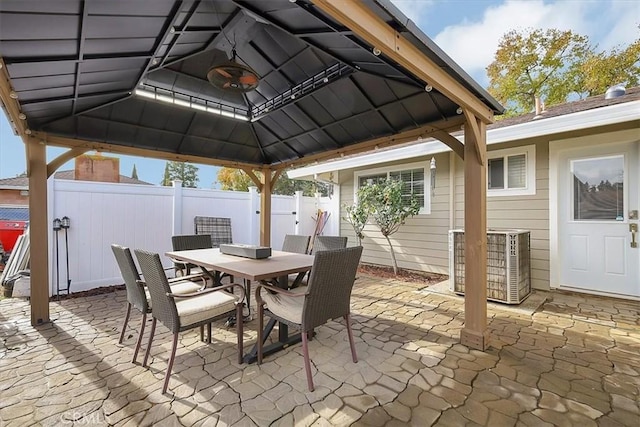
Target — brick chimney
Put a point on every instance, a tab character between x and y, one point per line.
96	167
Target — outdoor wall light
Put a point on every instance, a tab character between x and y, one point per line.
65	222
57	224
432	167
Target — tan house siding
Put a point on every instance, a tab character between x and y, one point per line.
421	243
526	212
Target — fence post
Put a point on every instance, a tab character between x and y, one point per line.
298	207
254	216
176	227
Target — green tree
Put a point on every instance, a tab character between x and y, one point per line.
357	216
534	64
388	208
134	172
555	65
238	180
185	172
601	70
231	179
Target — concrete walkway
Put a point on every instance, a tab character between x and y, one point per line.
574	362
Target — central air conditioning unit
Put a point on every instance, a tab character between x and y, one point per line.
508	264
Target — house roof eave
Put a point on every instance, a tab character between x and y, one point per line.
613	114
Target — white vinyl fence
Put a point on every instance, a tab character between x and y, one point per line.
145	217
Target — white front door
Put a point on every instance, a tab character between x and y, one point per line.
598	192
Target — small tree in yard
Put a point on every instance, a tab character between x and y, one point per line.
388	208
357	216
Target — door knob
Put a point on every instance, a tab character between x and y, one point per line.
633	228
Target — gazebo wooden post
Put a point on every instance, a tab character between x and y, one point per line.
475	334
265	208
38	230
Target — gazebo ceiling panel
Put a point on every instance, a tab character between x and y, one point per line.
77	68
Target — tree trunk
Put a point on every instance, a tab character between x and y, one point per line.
393	256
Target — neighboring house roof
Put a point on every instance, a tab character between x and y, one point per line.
590	112
22	182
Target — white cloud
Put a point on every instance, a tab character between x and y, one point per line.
473	44
623	23
414	9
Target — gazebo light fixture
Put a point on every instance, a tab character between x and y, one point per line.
193	103
22	116
27	131
459	110
13	95
376	51
428	88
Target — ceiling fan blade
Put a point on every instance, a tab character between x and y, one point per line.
249	79
223	72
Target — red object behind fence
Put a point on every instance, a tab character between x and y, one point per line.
9	233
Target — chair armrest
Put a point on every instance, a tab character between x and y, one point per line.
275	289
189	277
210	290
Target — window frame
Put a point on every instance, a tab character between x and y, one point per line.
424	165
529	189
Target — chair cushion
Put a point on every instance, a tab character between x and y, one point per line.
285	306
185	287
198	309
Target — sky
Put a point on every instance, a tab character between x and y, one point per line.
467	30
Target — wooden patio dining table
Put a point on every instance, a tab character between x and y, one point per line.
278	266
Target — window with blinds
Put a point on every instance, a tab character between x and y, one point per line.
511	171
413	177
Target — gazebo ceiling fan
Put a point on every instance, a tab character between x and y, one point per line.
233	76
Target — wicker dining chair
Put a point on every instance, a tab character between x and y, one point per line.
326	297
329	243
219	229
186	311
299	245
187	242
137	293
295	243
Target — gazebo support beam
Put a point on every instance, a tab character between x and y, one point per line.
253	177
451	142
474	333
64	158
38	231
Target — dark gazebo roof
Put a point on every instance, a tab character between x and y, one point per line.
134	74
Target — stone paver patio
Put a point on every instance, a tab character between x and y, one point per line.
575	361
